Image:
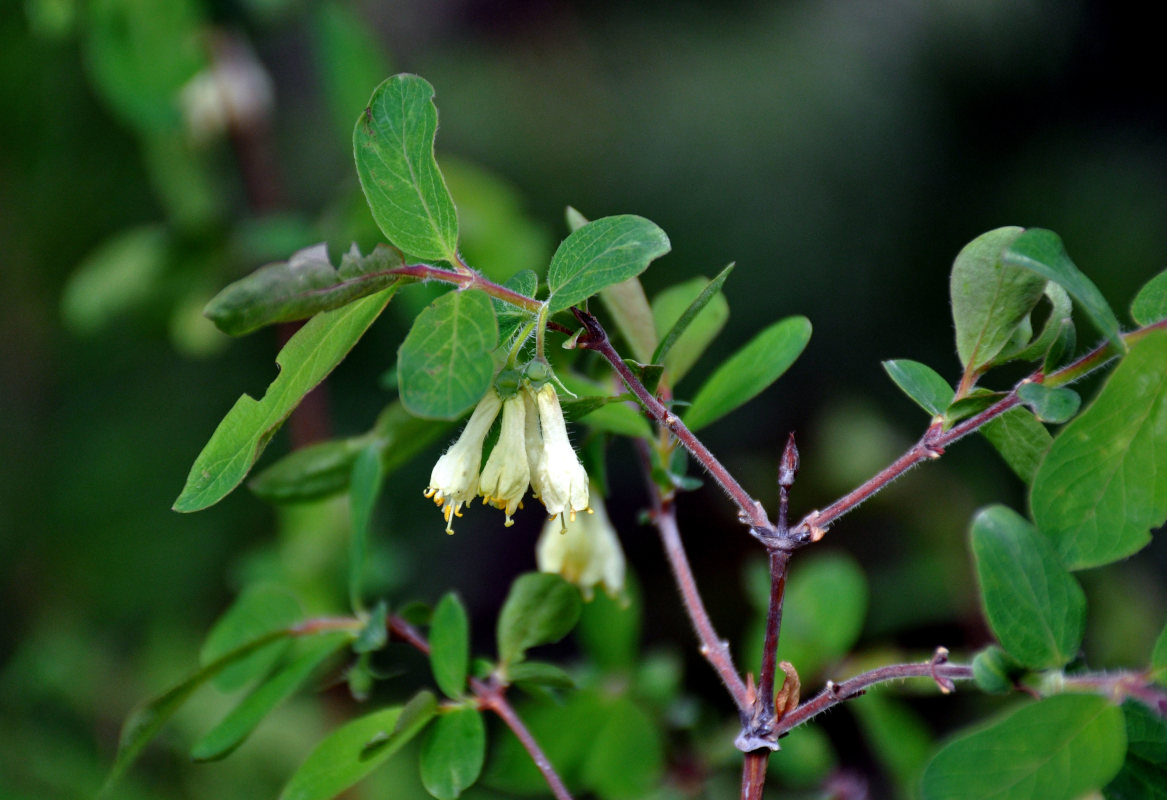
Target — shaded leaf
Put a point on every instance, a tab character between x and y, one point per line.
921	383
976	401
630	311
1020	439
1042	252
540	609
1061	308
450	645
690	341
234	728
896	734
365	487
452	753
1150	304
749	371
626	758
126	272
304	285
307	358
1103	485
1035	607
1060	748
990	298
1144	771
609	630
394	146
540	673
444	366
375	633
511	318
354	750
602	253
259	610
1050	404
348	58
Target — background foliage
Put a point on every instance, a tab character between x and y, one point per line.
840	157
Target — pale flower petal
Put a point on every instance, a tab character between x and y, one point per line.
584	551
454	480
506	475
557	476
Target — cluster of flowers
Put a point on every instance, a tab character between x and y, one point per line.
533	450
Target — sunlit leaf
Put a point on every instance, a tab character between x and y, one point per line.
601	253
444	366
1061	748
307	358
394	145
1035	607
1103	485
749	371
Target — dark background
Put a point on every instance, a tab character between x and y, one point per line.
841	154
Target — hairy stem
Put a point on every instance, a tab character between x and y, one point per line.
491	696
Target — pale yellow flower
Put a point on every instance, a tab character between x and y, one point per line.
506	475
584	551
557	476
454	480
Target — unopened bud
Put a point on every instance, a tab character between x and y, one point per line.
788	466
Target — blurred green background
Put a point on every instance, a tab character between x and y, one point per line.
840	154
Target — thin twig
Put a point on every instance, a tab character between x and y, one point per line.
491	696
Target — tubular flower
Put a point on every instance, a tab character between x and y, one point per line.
583	551
557	477
454	479
506	474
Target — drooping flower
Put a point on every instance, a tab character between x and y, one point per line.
557	476
584	551
506	475
454	479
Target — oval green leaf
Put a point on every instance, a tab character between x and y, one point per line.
601	253
355	749
990	298
452	753
1061	748
749	371
234	728
540	609
1050	404
258	611
921	383
307	358
1020	439
368	477
1103	485
1034	606
393	142
444	366
1042	252
450	646
1150	304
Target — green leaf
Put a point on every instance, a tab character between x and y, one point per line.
1042	252
259	610
626	758
375	633
511	318
307	358
1159	656
1103	485
124	273
1062	347
365	486
234	728
689	342
304	285
1150	304
540	673
1061	748
348	58
750	370
1061	308
147	720
540	609
450	646
609	630
355	749
708	327
1034	606
452	753
630	311
1020	439
990	298
921	383
444	366
1050	404
394	146
1144	772
601	253
995	671
896	735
